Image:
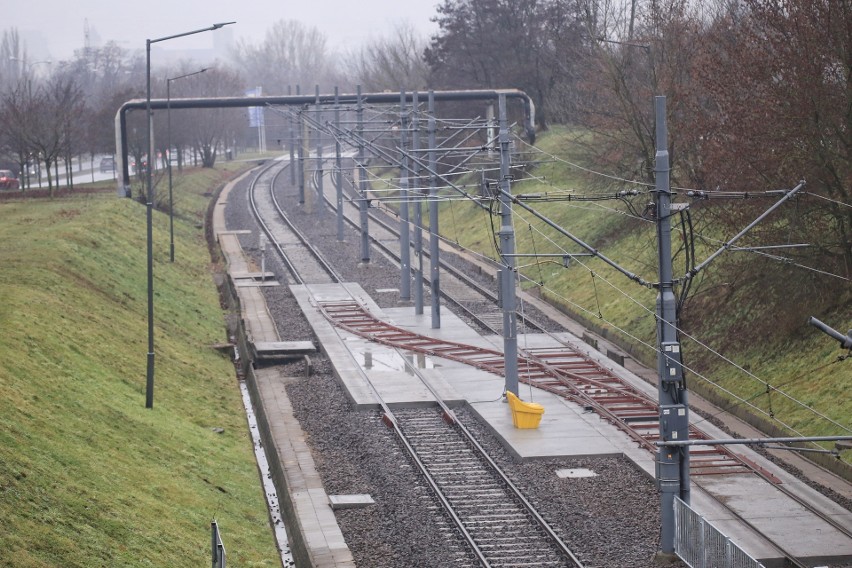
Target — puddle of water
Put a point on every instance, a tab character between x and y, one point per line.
386	360
268	487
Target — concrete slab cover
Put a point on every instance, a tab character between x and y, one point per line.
577	473
775	514
285	347
565	430
350	501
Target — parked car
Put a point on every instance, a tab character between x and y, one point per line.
8	180
107	165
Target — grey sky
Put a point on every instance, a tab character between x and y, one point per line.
54	28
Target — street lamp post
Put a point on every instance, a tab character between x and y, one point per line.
169	156
149	377
27	66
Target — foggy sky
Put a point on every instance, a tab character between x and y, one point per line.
53	29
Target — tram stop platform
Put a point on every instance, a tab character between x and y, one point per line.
566	429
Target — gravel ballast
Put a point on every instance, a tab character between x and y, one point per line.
611	519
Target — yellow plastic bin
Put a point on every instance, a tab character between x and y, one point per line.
525	415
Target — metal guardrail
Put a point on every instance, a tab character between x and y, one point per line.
701	545
217	549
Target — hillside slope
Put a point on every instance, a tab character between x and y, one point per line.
88	475
744	330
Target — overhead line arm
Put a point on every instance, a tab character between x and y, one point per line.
594	252
742	233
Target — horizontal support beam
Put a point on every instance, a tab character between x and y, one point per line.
300	100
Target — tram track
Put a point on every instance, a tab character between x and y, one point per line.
595	386
588	384
472	298
291	244
502	528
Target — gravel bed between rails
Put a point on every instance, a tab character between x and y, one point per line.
609	520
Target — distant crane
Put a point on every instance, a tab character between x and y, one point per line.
87	39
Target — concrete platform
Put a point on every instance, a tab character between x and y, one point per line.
566	430
315	537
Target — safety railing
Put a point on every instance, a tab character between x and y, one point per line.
216	547
701	545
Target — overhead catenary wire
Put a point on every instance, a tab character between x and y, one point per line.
690	253
765	384
388	155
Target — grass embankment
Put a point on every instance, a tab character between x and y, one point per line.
797	359
88	475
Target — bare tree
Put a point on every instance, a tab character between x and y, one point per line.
391	62
290	54
777	94
19	106
622	76
211	130
54	122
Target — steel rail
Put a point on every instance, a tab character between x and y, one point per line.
288	263
496	468
450	417
253	206
449	268
353	317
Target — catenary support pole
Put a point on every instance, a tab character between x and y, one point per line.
292	146
364	204
434	248
300	149
418	207
318	171
673	463
507	251
338	180
404	228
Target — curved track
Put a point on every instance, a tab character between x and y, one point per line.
303	261
499	524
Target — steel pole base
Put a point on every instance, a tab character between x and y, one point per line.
665	558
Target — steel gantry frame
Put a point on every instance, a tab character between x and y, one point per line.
411	161
297	100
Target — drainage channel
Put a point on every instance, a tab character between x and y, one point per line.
281	541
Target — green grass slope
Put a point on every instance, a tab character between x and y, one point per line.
88	475
724	321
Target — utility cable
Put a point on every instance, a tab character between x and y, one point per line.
708	348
